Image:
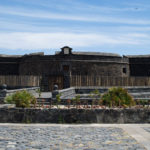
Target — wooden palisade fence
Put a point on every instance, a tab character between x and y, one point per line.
108	81
20	81
34	81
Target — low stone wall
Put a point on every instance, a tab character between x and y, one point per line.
18	115
138	92
67	92
5	92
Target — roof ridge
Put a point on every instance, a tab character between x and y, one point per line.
96	53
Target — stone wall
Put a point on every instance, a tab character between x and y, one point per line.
64	66
77	65
18	115
99	68
80	63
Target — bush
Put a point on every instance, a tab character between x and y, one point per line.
21	99
58	99
143	102
117	97
95	95
76	100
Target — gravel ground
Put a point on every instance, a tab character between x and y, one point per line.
66	138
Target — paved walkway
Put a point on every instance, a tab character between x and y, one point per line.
75	137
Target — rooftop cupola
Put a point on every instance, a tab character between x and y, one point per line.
66	50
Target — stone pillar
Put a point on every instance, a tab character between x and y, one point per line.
55	92
3	93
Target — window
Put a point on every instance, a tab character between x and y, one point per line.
66	50
65	68
124	70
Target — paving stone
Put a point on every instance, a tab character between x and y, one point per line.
147	129
66	138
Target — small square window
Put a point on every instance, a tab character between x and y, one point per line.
66	68
66	50
124	70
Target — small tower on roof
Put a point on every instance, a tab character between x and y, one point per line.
66	50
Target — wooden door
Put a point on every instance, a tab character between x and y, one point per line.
55	79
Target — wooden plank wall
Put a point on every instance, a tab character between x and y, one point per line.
109	81
20	81
32	81
59	80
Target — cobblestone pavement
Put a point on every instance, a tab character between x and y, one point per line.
66	138
147	129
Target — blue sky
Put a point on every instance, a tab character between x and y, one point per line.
117	26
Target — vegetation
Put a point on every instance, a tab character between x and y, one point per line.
58	99
143	103
39	92
95	95
21	99
76	101
68	103
117	97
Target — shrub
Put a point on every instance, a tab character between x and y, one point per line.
39	92
117	97
76	100
95	95
143	102
21	99
58	99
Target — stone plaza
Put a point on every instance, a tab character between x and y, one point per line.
74	137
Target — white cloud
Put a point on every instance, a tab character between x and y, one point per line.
24	40
57	16
7	25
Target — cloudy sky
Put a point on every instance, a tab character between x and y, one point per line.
118	26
